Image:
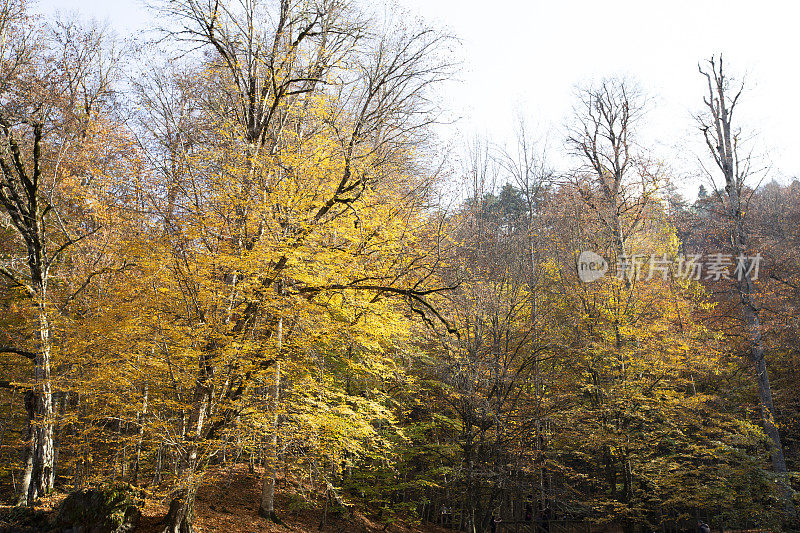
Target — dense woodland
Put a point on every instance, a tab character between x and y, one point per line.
232	245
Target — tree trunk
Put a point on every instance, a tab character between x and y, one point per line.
771	429
324	516
180	518
19	196
140	420
750	314
27	454
60	399
38	458
720	137
267	507
159	460
744	286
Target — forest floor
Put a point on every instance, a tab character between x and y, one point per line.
228	502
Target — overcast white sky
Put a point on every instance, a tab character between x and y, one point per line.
527	57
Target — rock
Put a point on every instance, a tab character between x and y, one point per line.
110	510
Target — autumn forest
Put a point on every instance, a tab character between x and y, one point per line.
241	250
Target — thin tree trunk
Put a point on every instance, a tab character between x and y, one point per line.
159	462
180	518
37	479
140	421
61	398
324	516
27	454
765	397
267	507
8	420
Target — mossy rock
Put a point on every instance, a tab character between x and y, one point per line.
109	510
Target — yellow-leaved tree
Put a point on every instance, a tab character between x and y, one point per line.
270	253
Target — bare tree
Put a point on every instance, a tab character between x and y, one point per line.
16	42
723	140
615	180
527	163
534	178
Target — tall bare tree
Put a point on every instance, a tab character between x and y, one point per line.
724	142
617	184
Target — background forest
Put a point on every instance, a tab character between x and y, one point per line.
233	245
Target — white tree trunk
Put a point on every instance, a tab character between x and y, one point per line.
38	476
267	507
